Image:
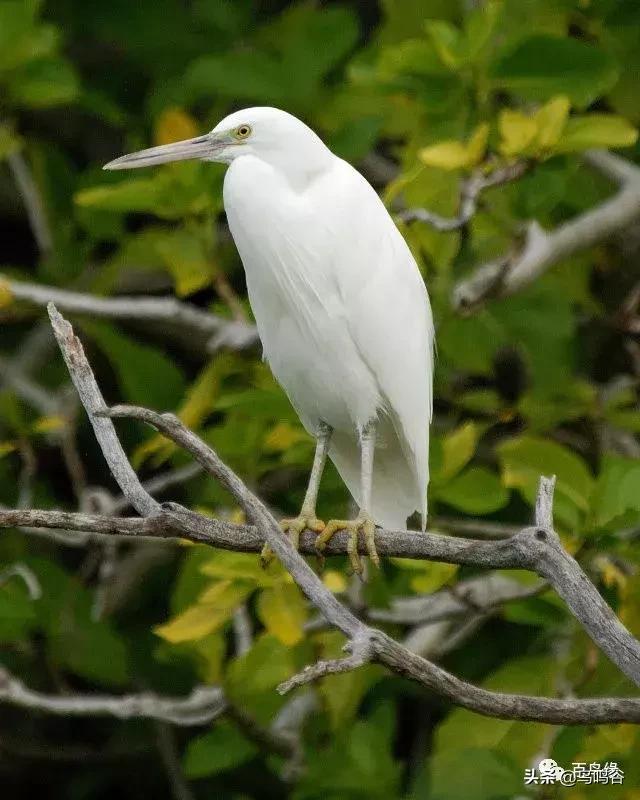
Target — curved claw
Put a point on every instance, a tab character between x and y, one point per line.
363	522
294	527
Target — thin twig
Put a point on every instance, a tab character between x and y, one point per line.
28	577
470	192
480	594
32	200
171	759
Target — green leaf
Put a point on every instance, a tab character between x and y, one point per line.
146	375
260	669
22	38
542	66
172	193
221	749
475	491
617	489
358	764
342	694
474	774
519	740
525	458
43	83
17	611
286	63
596	130
76	641
448	41
486	333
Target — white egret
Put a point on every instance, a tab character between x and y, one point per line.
341	309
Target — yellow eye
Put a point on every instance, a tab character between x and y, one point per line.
243	131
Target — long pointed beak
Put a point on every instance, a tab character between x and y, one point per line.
200	147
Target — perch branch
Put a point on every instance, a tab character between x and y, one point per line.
542	249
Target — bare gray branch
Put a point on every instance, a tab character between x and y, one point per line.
203	705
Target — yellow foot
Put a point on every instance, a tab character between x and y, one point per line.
294	527
363	522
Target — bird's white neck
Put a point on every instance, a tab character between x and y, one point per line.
297	168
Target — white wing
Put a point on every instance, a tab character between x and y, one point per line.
344	318
390	320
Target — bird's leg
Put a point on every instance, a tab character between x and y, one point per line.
307	516
364	521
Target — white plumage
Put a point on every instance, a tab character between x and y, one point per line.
341	308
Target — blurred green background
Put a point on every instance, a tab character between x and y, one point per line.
417	94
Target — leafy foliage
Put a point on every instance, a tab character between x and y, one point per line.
544	381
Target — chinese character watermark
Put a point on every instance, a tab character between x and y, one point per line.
548	772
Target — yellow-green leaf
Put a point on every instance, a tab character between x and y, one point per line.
458	448
174	124
6	448
451	154
550	120
283	436
283	611
50	424
185	255
517	132
596	130
199	401
335	581
214	608
432	576
6	295
9	142
227	565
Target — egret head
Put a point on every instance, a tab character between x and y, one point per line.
270	134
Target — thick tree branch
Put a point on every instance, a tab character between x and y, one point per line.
542	249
